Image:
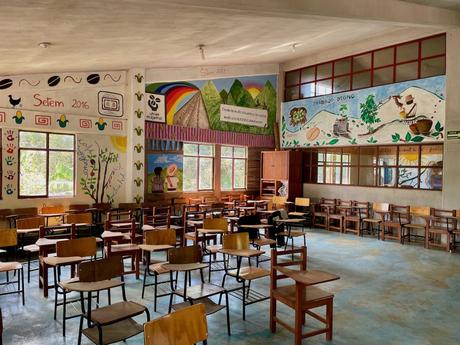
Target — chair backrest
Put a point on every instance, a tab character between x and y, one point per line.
423	211
210	199
249	220
163	236
380	207
79	218
79	207
328	201
85	246
400	212
364	208
239	240
30	223
215	223
161	216
194	201
182	327
8	238
52	209
302	202
103	269
275	255
27	211
226	198
441	218
279	201
119	215
185	255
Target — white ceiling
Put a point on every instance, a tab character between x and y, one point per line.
104	34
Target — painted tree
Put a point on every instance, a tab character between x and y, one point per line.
369	111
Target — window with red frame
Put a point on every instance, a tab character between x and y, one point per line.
416	59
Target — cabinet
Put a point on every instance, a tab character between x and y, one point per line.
281	174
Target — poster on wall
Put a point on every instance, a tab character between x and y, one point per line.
155	107
164	173
406	112
243	104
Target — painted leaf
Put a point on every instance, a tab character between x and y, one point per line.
408	136
333	141
417	139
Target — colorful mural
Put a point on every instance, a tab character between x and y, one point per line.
245	104
406	112
164	173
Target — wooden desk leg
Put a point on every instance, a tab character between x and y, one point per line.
137	263
40	272
329	319
273	315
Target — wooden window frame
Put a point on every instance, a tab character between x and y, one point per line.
47	150
233	158
394	64
199	157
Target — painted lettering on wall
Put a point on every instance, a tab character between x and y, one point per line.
49	102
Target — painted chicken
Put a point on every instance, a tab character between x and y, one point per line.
14	102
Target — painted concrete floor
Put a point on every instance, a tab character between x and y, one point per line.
387	294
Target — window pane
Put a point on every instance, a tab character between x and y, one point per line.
307	90
387	177
361	80
324	71
408	177
342	84
383	76
205	173
408	155
226	151
206	150
190	173
191	149
240	173
33	173
32	140
431	178
387	155
226	174
320	174
383	57
308	74
367	176
321	156
292	78
333	156
350	175
350	156
432	155
368	155
333	175
292	93
342	66
240	152
432	67
407	52
407	71
61	142
61	173
434	46
362	62
323	87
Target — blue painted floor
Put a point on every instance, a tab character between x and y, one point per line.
387	294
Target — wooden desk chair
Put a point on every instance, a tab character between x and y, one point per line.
397	218
299	297
182	327
279	202
211	250
119	215
442	223
154	268
9	239
320	213
130	248
113	323
243	275
192	219
380	211
419	219
26	226
301	208
68	253
195	201
51	210
354	217
336	215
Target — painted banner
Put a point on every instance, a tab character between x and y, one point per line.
155	107
164	173
242	115
407	112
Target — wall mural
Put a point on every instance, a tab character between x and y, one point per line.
244	104
406	112
10	162
164	173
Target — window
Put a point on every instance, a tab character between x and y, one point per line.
420	58
46	165
198	167
396	166
233	166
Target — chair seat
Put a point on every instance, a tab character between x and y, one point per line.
263	241
415	226
297	214
312	294
292	233
172	226
57	261
250	273
10	266
116	312
336	216
158	268
372	220
438	230
214	248
209	305
393	224
353	218
33	248
200	291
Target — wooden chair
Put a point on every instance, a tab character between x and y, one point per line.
78	207
354	217
19	213
113	323
419	219
442	223
380	211
26	226
337	214
195	201
212	250
192	219
182	327
279	202
9	238
301	296
163	237
301	208
58	209
321	212
397	218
